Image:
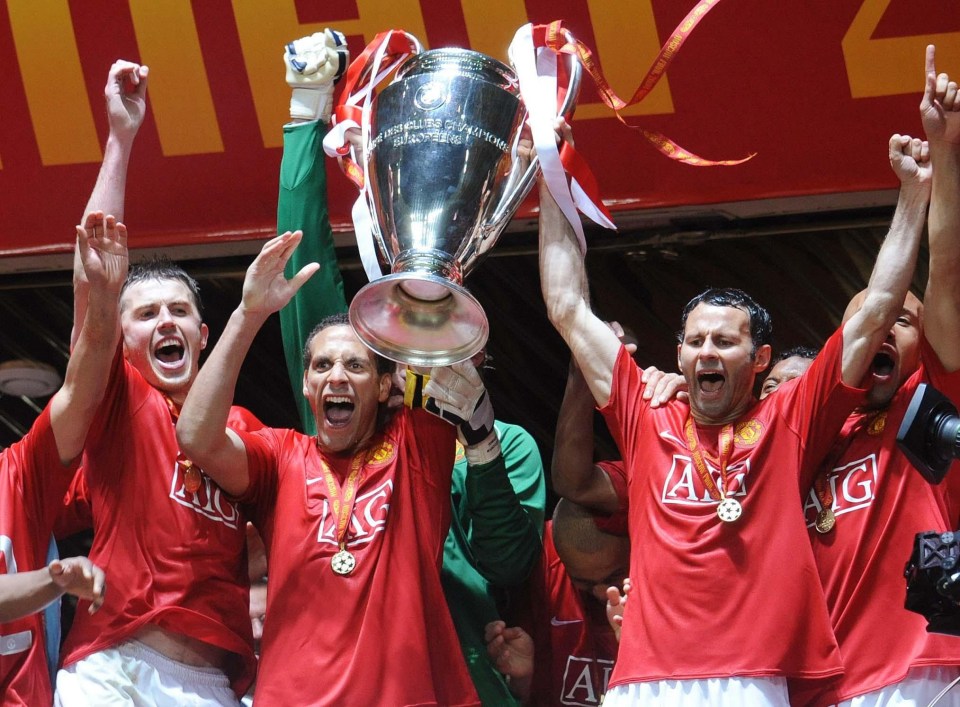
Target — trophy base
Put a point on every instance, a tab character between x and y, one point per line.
419	319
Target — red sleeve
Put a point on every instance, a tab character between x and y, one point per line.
43	477
113	398
816	405
263	454
241	419
626	410
948	384
76	513
432	442
616	523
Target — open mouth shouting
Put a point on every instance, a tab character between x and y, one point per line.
884	363
169	353
338	410
710	383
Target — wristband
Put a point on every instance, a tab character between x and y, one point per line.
311	103
484	451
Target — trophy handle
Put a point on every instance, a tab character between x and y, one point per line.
519	184
368	75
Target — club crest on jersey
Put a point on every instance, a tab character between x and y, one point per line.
460	454
877	424
853	486
683	485
368	519
208	500
585	681
748	433
381	453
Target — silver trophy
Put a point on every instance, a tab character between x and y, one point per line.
444	179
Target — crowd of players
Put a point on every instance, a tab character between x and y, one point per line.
394	551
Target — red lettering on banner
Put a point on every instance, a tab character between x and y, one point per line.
218	98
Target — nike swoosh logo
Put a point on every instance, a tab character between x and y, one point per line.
554	621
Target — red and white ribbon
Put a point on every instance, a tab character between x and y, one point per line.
378	61
537	70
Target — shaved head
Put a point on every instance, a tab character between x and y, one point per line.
593	559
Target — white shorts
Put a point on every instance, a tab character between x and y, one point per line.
710	692
131	674
918	689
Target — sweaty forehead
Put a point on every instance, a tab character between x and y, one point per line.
154	292
705	318
911	303
339	341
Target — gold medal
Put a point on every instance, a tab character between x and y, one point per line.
343	562
192	477
729	510
826	519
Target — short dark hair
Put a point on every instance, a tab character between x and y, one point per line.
761	327
159	267
799	351
384	365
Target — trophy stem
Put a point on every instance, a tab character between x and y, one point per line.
420	319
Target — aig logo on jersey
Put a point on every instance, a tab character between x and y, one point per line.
683	484
207	500
853	487
585	681
369	517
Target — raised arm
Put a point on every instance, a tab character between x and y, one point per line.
102	252
312	65
202	427
940	113
125	96
563	282
573	472
505	503
892	273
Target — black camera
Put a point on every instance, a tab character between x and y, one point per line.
929	437
933	581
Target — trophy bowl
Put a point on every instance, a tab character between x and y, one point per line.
444	178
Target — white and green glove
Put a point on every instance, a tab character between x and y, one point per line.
314	65
456	393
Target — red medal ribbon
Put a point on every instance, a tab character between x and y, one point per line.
343	499
192	474
398	47
551	36
820	484
726	449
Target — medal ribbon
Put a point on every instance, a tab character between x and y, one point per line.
352	110
553	37
343	499
726	449
821	485
822	488
543	85
192	474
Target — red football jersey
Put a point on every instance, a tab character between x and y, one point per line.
718	599
881	502
33	483
173	558
382	634
574	646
